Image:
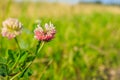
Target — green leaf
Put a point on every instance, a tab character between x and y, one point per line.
11	55
11	58
27	73
30	58
23	56
3	70
3	60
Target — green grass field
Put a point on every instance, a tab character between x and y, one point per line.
86	46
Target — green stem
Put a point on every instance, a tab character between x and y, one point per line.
37	51
18	54
15	76
37	47
40	48
23	72
16	62
17	43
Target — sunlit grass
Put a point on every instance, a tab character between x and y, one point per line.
54	10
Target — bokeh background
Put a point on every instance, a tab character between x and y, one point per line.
87	43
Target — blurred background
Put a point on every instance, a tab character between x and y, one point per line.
87	43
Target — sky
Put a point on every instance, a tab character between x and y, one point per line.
76	1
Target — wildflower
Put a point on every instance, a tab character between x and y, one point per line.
11	28
45	35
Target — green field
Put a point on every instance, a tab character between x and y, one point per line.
86	45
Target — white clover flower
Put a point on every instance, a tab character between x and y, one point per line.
11	28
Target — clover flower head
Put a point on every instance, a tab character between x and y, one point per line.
11	28
45	34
